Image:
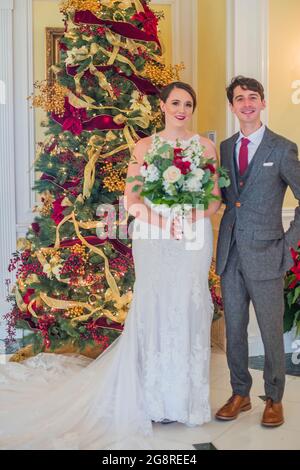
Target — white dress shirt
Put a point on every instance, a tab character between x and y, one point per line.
255	140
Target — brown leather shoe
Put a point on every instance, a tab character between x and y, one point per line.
273	414
233	407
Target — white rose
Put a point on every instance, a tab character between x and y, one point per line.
199	173
172	174
193	184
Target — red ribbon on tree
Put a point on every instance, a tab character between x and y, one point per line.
120	27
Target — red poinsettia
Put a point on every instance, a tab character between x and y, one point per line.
184	167
148	20
57	214
296	268
72	119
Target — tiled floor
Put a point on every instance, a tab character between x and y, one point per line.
245	432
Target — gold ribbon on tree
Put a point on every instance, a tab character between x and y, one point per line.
124	4
94	154
121	303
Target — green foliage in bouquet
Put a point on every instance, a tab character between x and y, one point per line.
174	176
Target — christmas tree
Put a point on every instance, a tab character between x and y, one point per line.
74	287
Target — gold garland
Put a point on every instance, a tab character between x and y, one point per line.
71	5
162	75
51	98
115	179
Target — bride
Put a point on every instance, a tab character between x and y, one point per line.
158	369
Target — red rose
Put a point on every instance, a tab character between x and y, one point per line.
211	168
184	167
178	152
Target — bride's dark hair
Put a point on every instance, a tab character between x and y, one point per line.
166	91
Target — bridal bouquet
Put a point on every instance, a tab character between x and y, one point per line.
179	176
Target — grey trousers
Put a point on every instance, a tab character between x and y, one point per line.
268	301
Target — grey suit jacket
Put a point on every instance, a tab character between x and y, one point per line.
254	217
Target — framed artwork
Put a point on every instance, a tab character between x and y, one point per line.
53	36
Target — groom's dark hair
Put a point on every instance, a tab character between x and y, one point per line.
246	84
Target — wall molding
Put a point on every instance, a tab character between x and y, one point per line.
247	47
24	121
185	40
7	148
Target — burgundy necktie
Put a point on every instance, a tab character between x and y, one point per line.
243	156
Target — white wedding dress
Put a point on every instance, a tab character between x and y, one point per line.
157	369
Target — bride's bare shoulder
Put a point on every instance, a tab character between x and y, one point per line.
209	144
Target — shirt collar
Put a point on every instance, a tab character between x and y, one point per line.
255	136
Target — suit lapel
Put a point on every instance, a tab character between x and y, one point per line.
262	154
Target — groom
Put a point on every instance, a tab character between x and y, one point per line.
253	250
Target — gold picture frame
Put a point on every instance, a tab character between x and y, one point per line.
53	36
